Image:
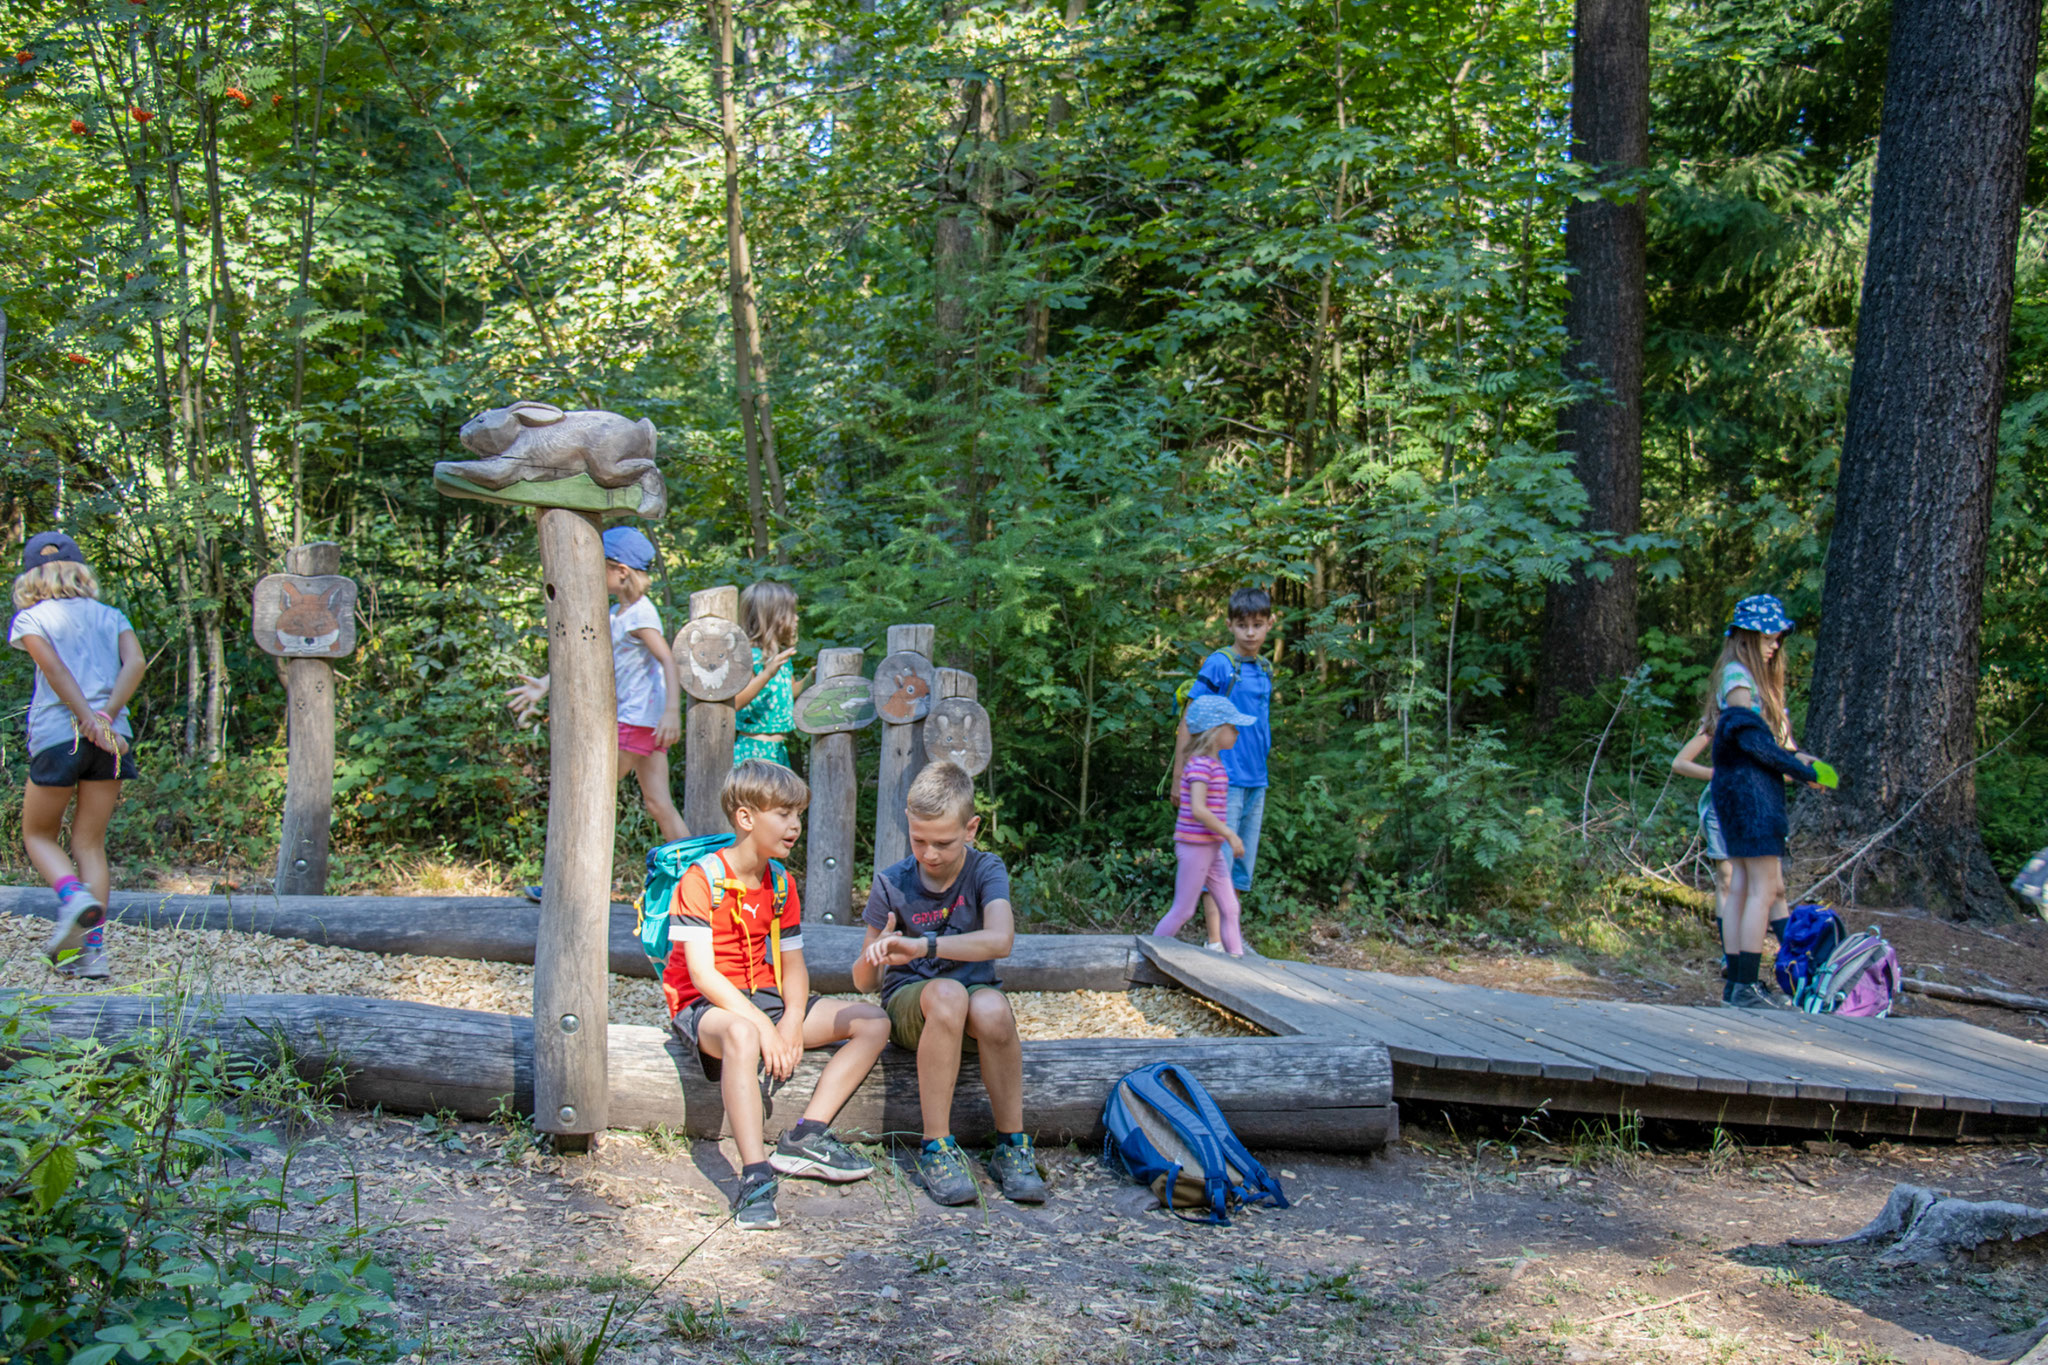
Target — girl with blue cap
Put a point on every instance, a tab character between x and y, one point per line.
1203	844
649	690
1752	759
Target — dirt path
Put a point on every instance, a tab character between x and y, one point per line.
1438	1251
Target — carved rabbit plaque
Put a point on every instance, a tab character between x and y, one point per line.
538	455
297	617
957	730
714	657
903	687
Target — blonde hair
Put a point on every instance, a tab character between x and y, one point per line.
1746	647
758	784
768	615
639	579
942	789
1207	742
46	581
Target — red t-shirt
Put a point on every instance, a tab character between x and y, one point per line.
739	942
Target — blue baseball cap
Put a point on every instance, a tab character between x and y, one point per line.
50	547
1762	613
626	545
1206	713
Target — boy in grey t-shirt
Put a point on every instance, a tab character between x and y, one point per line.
937	923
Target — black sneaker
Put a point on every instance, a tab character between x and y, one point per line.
1750	996
1014	1168
76	918
819	1157
754	1209
946	1176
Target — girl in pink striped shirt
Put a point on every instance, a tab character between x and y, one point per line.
1203	844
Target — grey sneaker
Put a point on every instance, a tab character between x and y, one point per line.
1015	1170
754	1209
90	965
76	918
1750	996
946	1175
819	1156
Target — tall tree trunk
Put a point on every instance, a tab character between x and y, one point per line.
1589	634
1894	699
230	310
959	250
302	299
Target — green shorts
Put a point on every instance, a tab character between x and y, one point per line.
906	1016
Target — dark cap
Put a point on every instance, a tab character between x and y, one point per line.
50	547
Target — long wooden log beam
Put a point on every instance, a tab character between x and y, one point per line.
1333	1096
499	929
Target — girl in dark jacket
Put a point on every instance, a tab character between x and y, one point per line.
1748	792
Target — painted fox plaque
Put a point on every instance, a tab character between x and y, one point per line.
299	617
902	688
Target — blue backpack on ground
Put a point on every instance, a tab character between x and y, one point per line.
1809	938
1164	1131
665	868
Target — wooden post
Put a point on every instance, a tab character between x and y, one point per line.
903	697
309	749
715	662
828	879
571	1088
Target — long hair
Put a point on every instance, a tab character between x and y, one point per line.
67	578
768	615
1746	647
1206	743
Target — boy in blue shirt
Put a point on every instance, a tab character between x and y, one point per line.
1239	675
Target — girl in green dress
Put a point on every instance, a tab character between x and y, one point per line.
767	704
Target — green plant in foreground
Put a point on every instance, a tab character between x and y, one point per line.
147	1218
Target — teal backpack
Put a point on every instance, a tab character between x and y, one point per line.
665	868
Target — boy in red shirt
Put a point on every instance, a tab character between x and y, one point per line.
728	985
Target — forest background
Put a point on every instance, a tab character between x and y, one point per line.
1072	317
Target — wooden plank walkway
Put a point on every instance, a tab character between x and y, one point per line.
1468	1044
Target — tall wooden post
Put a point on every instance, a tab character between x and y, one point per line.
570	1084
903	698
306	616
835	800
716	662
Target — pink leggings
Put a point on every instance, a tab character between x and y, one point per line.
1203	867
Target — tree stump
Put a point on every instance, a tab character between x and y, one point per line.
903	687
306	616
832	709
715	660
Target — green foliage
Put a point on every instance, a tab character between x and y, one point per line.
149	1215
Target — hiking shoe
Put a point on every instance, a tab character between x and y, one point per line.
946	1176
820	1157
1750	996
1014	1168
532	893
754	1209
89	965
76	918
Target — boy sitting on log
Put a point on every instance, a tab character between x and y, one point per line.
740	994
937	923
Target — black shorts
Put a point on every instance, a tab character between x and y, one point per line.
687	1019
67	765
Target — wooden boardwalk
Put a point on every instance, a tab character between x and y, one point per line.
1468	1044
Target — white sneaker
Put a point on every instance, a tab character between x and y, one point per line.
1213	947
90	965
76	918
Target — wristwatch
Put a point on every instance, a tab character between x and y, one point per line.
931	946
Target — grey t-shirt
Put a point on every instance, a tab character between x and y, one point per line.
900	889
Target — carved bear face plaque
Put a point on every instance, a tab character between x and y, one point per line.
714	657
958	731
903	687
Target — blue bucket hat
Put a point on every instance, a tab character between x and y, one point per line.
1763	614
1206	713
626	545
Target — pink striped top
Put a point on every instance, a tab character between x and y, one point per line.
1188	829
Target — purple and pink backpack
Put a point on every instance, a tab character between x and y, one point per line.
1860	979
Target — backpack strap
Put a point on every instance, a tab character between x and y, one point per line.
1199	1137
715	873
1259	1187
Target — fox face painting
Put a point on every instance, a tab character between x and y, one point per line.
299	617
307	625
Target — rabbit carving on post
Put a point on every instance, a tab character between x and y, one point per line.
529	441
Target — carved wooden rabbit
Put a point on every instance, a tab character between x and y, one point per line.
530	441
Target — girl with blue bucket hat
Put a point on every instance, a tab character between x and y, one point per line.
1752	759
1203	844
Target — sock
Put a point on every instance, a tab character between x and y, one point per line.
1777	927
67	887
806	1128
756	1170
938	1144
1747	965
96	938
1727	966
1013	1139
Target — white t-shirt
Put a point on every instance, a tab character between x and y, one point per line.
636	673
87	637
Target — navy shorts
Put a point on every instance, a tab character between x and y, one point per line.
67	765
691	1016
